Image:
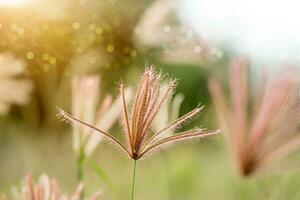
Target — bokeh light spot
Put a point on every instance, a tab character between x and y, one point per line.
133	53
30	55
110	48
52	60
198	49
76	26
99	30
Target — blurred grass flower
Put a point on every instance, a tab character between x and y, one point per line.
85	96
168	113
44	189
12	89
265	131
147	102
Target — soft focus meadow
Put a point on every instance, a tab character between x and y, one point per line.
148	100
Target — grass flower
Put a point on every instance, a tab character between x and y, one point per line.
168	113
85	97
44	189
264	130
12	90
146	104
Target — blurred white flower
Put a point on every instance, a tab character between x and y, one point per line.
85	95
44	189
12	89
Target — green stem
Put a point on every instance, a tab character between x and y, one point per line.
133	180
79	165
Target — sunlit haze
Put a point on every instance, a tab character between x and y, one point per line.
13	2
264	30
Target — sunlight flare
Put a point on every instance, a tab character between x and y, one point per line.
13	3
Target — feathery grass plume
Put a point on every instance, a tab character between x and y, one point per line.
44	189
12	90
263	131
147	102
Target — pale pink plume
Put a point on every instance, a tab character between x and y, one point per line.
263	130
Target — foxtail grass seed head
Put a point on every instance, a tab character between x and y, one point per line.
44	189
264	130
137	121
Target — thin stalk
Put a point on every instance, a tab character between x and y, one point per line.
133	180
79	166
